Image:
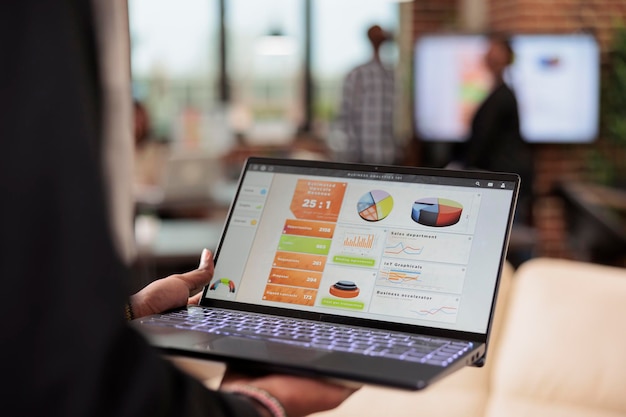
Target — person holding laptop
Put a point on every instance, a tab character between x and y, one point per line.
66	239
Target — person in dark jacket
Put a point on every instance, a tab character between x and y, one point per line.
66	347
495	142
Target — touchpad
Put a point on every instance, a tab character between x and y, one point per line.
254	349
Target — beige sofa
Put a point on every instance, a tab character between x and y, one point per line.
558	349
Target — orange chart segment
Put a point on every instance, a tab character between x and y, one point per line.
318	200
291	295
295	278
375	205
300	261
309	228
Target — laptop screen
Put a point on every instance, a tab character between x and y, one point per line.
393	244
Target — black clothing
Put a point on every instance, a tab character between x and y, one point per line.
495	140
66	349
495	143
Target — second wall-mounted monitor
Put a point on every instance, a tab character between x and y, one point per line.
556	79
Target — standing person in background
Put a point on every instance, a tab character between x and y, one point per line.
365	125
495	142
67	241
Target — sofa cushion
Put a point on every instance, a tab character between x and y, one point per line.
563	350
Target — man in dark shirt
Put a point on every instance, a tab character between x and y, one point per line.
495	142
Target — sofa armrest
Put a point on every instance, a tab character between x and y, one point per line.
563	349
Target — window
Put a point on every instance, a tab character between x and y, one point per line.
175	65
265	49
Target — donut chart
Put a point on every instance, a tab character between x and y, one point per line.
436	212
223	282
375	205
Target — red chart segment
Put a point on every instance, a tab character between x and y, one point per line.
436	212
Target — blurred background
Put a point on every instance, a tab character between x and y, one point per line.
218	80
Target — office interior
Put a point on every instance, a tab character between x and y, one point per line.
221	80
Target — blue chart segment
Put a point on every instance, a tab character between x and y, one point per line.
375	205
436	212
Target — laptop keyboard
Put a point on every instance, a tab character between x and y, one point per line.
327	336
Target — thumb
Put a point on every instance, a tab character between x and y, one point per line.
205	272
199	278
206	259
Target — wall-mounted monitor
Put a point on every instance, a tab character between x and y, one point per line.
556	79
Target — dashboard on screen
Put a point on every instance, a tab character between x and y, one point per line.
556	79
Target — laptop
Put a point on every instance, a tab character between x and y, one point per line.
382	275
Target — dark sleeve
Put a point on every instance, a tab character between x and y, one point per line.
495	120
66	349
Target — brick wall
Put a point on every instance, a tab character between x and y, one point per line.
554	162
428	16
561	162
434	15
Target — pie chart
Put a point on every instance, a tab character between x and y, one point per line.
375	205
436	212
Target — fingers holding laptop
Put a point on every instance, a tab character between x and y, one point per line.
275	395
173	291
202	279
292	396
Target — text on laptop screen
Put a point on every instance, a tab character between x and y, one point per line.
385	246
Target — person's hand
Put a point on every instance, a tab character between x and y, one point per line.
299	396
175	290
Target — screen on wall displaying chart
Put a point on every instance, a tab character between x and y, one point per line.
555	77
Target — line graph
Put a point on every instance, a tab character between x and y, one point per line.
399	277
419	275
427	246
439	310
401	247
411	303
